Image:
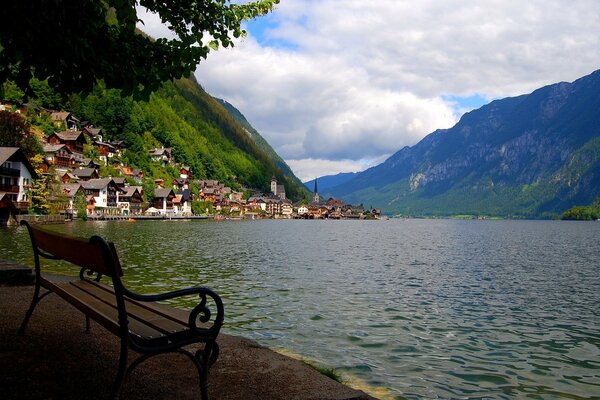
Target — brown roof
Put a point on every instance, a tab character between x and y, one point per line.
70	189
68	135
130	190
96	184
84	172
60	115
162	193
17	155
53	148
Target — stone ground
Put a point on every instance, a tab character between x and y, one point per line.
57	359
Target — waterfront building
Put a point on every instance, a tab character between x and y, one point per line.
16	177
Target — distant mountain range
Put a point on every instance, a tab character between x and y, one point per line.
324	183
530	156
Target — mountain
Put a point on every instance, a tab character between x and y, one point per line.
328	181
259	140
534	155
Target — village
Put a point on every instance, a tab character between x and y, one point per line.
82	189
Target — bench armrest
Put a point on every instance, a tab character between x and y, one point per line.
200	312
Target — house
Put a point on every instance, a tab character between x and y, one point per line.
88	163
210	195
287	209
16	177
120	181
277	189
70	190
106	151
163	200
64	119
180	184
59	155
185	172
105	194
181	206
208	183
67	177
162	155
136	174
74	140
94	134
85	174
302	209
132	196
236	196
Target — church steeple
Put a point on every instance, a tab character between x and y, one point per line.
316	193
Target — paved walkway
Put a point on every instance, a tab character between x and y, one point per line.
57	359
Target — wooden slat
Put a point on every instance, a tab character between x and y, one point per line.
135	310
173	314
105	313
74	250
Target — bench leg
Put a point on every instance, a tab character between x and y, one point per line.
121	371
36	299
203	360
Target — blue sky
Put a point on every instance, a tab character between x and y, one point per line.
340	85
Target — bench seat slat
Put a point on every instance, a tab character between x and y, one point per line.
134	309
174	314
105	314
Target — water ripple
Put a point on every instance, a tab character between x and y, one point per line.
428	309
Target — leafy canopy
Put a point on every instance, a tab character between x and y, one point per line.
74	43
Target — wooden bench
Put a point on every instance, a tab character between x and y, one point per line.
141	324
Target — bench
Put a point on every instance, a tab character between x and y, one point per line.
141	324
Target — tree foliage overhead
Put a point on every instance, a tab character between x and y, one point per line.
75	43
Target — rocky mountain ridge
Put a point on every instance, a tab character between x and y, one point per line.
527	156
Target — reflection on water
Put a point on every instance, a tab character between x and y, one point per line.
426	308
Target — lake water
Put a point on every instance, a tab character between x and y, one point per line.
413	308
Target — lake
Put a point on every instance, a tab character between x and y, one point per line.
410	308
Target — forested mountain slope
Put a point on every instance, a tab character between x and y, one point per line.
259	140
202	134
534	155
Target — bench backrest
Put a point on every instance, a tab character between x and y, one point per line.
94	254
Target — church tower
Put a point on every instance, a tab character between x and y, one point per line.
316	198
274	185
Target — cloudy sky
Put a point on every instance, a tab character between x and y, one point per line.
340	85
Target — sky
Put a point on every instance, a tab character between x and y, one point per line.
340	85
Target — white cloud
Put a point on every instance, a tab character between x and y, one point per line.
345	81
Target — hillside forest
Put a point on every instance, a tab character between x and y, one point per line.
180	115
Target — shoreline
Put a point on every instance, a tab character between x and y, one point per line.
58	359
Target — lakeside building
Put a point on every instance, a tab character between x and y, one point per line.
16	178
277	189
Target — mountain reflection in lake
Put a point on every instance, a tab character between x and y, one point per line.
425	308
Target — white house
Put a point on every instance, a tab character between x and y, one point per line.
16	176
104	192
302	209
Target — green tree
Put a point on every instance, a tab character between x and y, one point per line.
15	132
80	205
10	92
39	197
75	43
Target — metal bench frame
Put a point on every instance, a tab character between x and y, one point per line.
147	328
